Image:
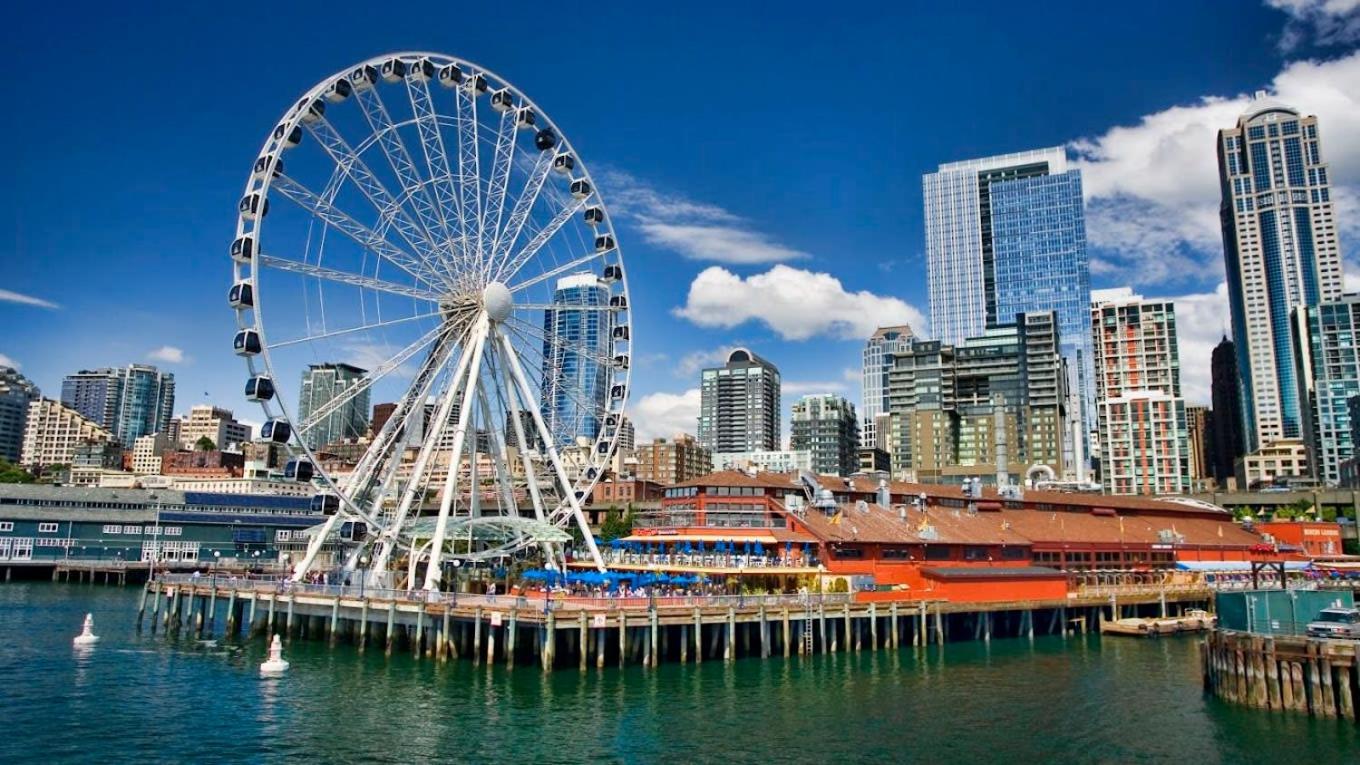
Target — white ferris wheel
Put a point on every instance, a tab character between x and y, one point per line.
433	244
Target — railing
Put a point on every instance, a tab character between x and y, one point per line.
708	560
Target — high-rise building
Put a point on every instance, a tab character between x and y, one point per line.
321	384
670	461
1197	440
627	434
16	393
1281	251
1225	419
217	424
130	402
53	431
1141	415
575	343
879	353
1006	235
381	414
1325	338
147	452
825	425
991	404
739	409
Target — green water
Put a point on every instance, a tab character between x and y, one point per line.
150	698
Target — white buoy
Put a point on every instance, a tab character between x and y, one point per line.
86	636
276	665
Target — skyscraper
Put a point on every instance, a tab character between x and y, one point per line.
217	424
878	362
825	425
575	341
1141	415
1197	440
1006	235
1329	370
322	383
739	408
1225	418
131	402
16	393
1281	251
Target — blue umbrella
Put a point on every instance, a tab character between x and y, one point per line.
747	547
760	549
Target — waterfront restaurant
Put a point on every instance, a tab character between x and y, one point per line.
895	540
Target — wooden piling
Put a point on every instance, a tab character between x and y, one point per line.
873	626
788	635
363	624
698	637
335	620
390	636
892	634
477	636
583	641
511	632
550	642
656	638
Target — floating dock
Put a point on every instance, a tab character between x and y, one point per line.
584	632
1195	620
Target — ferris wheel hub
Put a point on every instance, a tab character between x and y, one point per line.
497	301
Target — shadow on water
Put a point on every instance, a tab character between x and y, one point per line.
175	698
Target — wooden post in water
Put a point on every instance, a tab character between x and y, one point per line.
987	626
846	613
141	605
730	648
656	638
363	624
1347	700
335	619
1272	667
873	626
698	637
922	636
418	647
1296	679
550	642
269	616
292	607
491	643
391	634
939	625
155	606
764	634
892	635
250	624
821	623
583	641
601	635
477	636
684	643
623	639
231	613
510	635
788	635
212	607
1328	698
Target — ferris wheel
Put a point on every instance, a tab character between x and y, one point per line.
434	244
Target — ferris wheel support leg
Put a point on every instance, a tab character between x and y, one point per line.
568	490
512	400
441	524
314	547
388	543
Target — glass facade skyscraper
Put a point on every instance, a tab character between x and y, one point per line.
1006	235
1281	251
1328	366
575	346
132	402
878	362
322	383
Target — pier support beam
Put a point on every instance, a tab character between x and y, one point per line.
698	637
583	641
655	645
730	649
391	635
363	624
788	637
873	626
477	636
231	613
550	642
892	635
623	639
335	619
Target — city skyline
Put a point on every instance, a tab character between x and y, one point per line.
739	247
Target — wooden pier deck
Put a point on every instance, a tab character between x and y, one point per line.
564	632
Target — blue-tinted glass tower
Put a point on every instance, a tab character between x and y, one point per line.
131	402
576	346
1006	235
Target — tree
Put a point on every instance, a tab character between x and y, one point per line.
11	473
205	444
616	524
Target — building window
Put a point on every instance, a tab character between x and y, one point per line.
47	528
6	525
283	535
937	552
132	529
112	528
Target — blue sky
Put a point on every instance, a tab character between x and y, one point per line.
773	154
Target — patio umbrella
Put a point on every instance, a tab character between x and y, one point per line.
760	549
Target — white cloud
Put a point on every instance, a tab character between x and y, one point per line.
168	354
795	303
10	296
693	362
6	361
662	415
1202	320
1152	187
1320	22
695	230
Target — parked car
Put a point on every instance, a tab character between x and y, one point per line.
1336	623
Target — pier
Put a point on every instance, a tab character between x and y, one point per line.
1298	674
557	633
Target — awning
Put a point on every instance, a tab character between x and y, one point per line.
767	539
1235	565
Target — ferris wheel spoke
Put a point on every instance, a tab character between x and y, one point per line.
563	343
517	374
519	214
345	277
320	207
351	330
465	416
469	206
436	161
433	436
570	265
390	211
511	402
366	382
541	238
496	186
429	214
521	307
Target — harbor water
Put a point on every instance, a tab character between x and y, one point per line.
143	697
